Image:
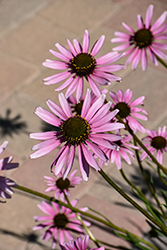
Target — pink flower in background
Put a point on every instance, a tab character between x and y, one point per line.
145	40
124	151
77	63
6	183
61	186
87	132
128	110
155	142
78	244
58	221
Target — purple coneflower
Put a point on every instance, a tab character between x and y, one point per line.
155	142
87	131
77	63
124	151
128	110
59	220
61	186
6	183
144	40
78	244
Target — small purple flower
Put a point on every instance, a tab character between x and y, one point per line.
58	220
77	63
61	186
145	39
155	142
6	183
87	132
78	244
124	151
128	110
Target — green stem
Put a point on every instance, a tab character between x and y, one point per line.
74	209
148	183
161	61
129	199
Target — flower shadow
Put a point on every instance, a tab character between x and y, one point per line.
11	125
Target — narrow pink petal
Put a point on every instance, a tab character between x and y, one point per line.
121	34
128	28
161	29
140	22
46	143
48	117
127	96
56	109
114	96
95	106
94	87
120	39
44	150
106	75
55	64
97	46
86	103
120	95
100	80
46	208
102	142
85	42
121	47
61	160
137	115
107	58
111	68
89	158
96	150
144	59
79	91
3	146
136	59
159	21
65	84
56	78
132	56
72	87
84	166
107	118
138	101
149	15
100	113
108	127
126	157
65	105
152	56
71	48
160	45
77	46
70	162
159	53
64	51
59	55
159	156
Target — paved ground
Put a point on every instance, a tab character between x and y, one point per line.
28	29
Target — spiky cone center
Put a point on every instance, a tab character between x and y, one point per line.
60	220
143	38
75	130
158	142
124	109
83	64
62	184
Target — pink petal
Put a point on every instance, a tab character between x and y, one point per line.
72	87
149	15
59	55
159	21
55	64
89	158
77	46
64	51
144	59
86	103
79	91
65	84
95	106
65	105
140	22
97	46
128	28
94	87
70	162
85	43
48	117
56	78
56	109
71	48
84	166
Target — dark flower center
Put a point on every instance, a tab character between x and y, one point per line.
124	109
143	38
83	64
119	143
60	220
75	130
62	184
158	142
78	108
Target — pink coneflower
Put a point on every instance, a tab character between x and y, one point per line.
77	63
78	244
128	110
6	183
155	142
58	221
124	151
61	186
144	40
87	131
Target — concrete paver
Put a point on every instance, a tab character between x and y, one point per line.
28	29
